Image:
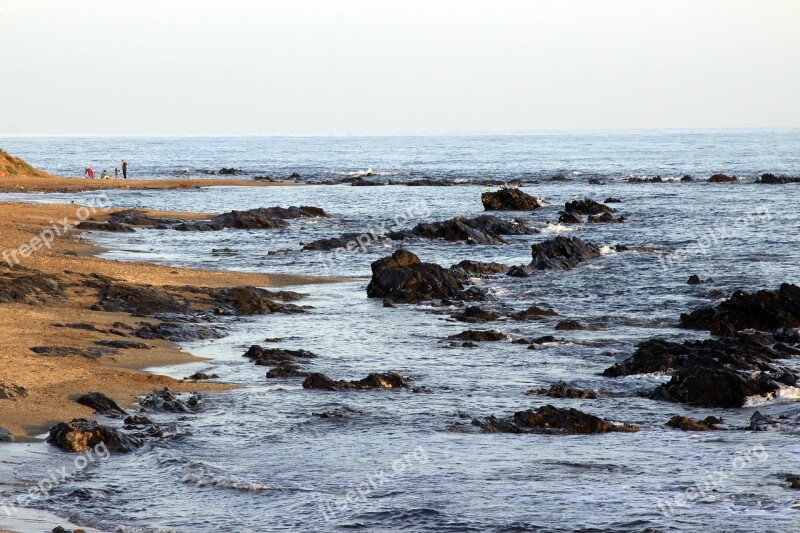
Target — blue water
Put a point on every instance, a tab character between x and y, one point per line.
257	459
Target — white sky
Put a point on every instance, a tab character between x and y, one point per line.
237	66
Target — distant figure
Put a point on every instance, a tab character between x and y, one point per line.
88	172
116	172
124	169
105	175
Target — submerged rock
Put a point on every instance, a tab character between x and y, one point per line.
198	376
81	435
533	313
102	404
562	253
553	420
694	279
402	277
762	310
486	335
684	423
509	199
388	380
560	389
569	325
475	314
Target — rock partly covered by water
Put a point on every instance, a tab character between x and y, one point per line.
467	269
762	310
772	179
388	380
714	372
561	389
402	277
562	253
81	435
533	313
474	314
586	207
555	420
684	423
166	400
509	199
484	229
722	178
479	335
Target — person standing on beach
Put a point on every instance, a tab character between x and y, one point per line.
88	171
124	169
116	172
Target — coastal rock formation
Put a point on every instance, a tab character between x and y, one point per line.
484	229
772	179
124	345
102	404
402	277
569	325
29	287
261	218
533	313
722	178
715	372
569	217
177	331
388	380
606	218
586	207
485	335
560	389
466	269
762	310
110	226
348	241
509	199
166	400
68	351
553	420
81	435
562	253
684	423
6	436
474	314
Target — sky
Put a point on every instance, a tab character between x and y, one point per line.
267	66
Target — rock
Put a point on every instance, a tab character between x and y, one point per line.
776	180
684	423
569	217
560	389
454	230
597	181
612	200
102	404
11	391
125	345
553	420
694	279
6	436
373	381
569	325
178	331
522	271
137	299
67	351
722	178
466	269
687	177
261	218
137	421
339	412
606	218
359	181
544	339
165	400
762	310
81	435
562	253
286	370
229	171
402	277
197	376
28	287
509	200
111	226
474	314
533	313
712	373
348	241
794	481
487	335
275	356
586	207
642	179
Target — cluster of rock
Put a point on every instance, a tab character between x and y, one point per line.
553	420
284	362
388	380
509	199
598	213
772	179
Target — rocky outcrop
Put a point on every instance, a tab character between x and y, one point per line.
81	435
484	229
29	287
485	335
475	314
124	345
402	277
569	217
684	423
606	218
69	351
102	404
6	436
694	279
261	218
467	269
533	313
177	331
772	179
166	400
115	227
722	178
562	253
762	310
586	207
348	241
553	420
561	389
569	325
373	381
509	199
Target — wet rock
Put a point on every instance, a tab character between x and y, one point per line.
29	287
339	412
402	277
560	389
722	178
521	271
372	381
466	269
612	200
712	373
475	314
359	181
125	345
6	436
562	253
178	331
772	179
102	404
198	376
286	370
68	351
543	339
509	199
133	217
597	181
569	217
274	356
421	389
569	325
229	171
533	313
79	325
81	435
793	481
261	218
586	207
486	335
11	391
553	420
606	218
694	279
762	310
250	300
348	241
760	422
684	423
454	230
110	226
137	299
166	400
643	179
137	421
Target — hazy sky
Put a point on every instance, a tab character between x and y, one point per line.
237	66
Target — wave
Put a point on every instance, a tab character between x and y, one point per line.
782	395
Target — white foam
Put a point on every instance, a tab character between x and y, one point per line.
607	250
202	478
782	395
557	228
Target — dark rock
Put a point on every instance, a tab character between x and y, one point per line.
694	279
32	288
467	269
684	423
612	200
339	412
166	400
486	335
570	217
586	207
348	241
286	370
553	420
102	404
125	345
67	351
197	376
507	199
81	435
115	227
522	271
569	325
229	171
79	325
597	181
543	339
762	310
455	230
560	389
11	391
402	277
6	436
759	422
274	356
261	218
474	314
722	178
561	253
794	481
361	182
772	179
533	313
687	177
373	381
137	421
606	218
178	331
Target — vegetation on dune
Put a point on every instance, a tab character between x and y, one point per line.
11	166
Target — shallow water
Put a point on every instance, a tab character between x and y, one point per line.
257	459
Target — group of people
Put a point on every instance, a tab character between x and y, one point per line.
105	175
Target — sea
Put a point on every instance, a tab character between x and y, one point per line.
261	458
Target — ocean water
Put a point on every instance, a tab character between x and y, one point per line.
259	459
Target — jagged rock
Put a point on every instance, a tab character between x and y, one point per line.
474	314
275	356
11	391
684	423
562	253
6	436
81	435
694	279
466	269
533	313
348	241
606	218
722	178
102	404
569	217
165	400
402	277
776	180
586	207
550	419
110	226
569	325
507	199
762	310
178	331
486	335
373	381
261	218
521	271
560	389
29	287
